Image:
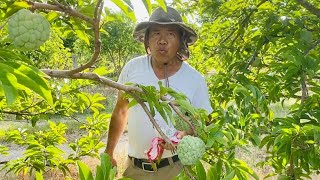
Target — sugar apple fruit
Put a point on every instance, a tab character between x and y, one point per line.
190	149
28	30
180	124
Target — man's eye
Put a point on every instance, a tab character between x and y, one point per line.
171	34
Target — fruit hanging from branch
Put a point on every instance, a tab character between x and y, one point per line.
28	30
190	149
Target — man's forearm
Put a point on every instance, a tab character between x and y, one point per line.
116	128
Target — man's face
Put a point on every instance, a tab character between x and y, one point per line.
164	42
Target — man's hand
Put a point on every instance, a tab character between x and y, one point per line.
113	162
180	135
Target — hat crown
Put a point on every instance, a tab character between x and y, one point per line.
159	15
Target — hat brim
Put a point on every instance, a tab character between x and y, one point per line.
140	30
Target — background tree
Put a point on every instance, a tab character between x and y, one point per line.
260	53
118	44
253	53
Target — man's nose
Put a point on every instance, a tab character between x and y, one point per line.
162	40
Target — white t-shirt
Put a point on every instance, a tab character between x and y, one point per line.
140	130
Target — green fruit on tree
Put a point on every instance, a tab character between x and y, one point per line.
28	30
180	124
190	149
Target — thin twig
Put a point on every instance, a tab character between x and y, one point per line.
312	47
304	88
186	170
312	9
246	19
69	11
59	4
183	117
24	113
72	117
4	24
3	162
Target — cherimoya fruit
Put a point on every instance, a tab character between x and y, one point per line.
28	30
190	149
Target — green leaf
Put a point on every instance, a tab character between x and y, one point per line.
128	2
102	71
99	173
9	55
126	9
306	36
9	84
105	164
212	173
29	77
39	175
162	4
83	36
201	173
244	167
230	175
148	5
84	171
112	173
132	103
52	15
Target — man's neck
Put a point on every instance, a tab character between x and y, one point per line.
176	63
170	68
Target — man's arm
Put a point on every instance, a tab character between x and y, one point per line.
117	125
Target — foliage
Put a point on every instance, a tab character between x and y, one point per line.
253	53
30	94
3	150
104	171
41	149
221	137
258	53
118	46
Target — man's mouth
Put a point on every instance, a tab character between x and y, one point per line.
162	51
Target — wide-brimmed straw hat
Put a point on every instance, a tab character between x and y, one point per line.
159	16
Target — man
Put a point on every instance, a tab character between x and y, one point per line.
166	39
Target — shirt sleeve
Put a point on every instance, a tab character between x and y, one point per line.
201	97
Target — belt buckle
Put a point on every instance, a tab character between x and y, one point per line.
147	163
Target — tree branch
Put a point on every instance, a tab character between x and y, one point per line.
246	19
67	10
145	108
255	54
91	76
183	117
304	89
312	47
312	9
23	113
97	41
128	89
3	25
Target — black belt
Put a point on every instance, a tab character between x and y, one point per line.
147	166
